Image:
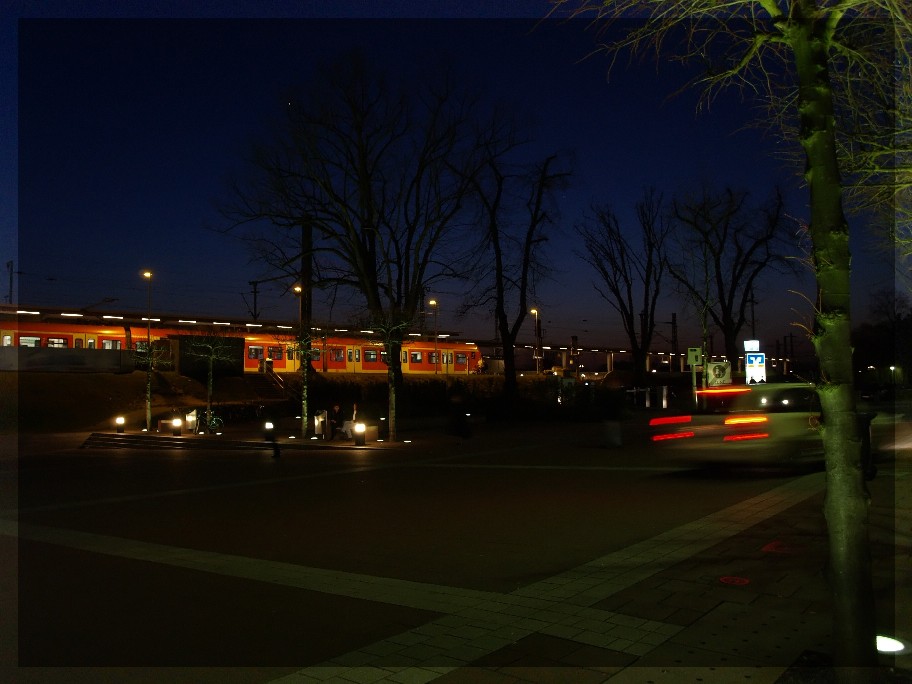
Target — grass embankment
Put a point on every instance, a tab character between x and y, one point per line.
61	402
71	402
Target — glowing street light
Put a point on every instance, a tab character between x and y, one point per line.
303	356
148	276
537	352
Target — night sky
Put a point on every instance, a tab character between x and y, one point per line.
128	128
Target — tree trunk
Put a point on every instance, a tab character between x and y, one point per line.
209	394
149	392
508	341
394	382
305	316
304	363
846	502
640	372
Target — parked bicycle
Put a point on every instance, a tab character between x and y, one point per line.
214	425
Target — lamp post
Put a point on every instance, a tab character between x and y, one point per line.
537	352
148	276
303	357
433	303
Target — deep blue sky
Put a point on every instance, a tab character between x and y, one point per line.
127	129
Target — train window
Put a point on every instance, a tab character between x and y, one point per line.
77	343
115	344
383	357
358	355
349	355
140	346
461	359
91	343
57	343
370	355
254	352
29	341
276	353
315	354
7	340
432	357
405	357
416	357
337	354
448	358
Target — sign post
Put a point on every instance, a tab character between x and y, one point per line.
694	359
755	367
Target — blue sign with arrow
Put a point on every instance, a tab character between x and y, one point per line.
755	367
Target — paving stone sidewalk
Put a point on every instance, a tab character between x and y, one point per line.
740	595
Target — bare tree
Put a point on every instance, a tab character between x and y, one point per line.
381	178
150	355
517	213
631	275
724	247
212	350
875	116
804	55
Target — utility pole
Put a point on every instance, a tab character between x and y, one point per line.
254	314
674	340
753	301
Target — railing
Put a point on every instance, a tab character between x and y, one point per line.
276	378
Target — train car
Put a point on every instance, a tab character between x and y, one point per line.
28	333
337	354
267	346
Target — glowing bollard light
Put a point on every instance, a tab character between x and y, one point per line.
119	422
270	437
176	427
359	433
887	644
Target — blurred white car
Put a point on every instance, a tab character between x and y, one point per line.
764	424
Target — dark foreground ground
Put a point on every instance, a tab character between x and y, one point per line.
524	554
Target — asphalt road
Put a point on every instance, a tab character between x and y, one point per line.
233	566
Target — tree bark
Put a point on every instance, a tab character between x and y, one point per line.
846	506
394	382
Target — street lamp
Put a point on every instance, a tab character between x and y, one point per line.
433	303
303	357
537	352
148	276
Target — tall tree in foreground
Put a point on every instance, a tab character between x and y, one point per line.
806	55
631	274
381	176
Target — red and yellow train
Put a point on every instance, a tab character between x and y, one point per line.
267	345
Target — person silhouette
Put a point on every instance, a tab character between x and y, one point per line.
335	420
349	424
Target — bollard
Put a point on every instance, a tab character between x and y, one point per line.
360	428
269	436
